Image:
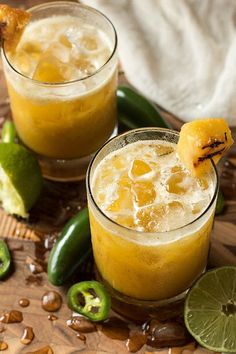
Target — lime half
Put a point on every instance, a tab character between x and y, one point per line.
20	179
210	310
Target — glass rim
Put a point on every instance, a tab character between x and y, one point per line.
129	230
62	84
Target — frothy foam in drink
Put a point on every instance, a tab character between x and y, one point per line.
145	187
61	49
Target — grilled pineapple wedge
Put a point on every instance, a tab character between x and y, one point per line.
202	140
12	24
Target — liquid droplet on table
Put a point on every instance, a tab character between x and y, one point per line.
3	346
24	302
80	324
51	301
136	341
44	350
13	316
27	335
52	318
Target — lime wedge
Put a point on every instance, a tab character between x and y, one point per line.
20	179
210	310
8	132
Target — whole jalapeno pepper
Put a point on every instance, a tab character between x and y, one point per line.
90	299
5	259
71	249
220	204
135	111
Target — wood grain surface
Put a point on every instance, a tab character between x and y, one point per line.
57	204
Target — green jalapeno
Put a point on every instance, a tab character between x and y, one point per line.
90	299
135	111
71	249
220	204
8	132
5	259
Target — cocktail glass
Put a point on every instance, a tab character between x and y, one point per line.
65	123
144	270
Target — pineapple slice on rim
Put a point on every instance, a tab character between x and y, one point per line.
202	140
12	25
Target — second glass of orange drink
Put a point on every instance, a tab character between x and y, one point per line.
150	219
62	81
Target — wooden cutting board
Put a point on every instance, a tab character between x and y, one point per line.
34	238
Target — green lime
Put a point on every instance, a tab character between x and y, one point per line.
20	179
210	310
8	132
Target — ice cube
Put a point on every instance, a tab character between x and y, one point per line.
34	49
150	218
89	42
73	35
123	202
64	40
139	168
175	184
49	70
124	199
125	220
84	65
162	150
144	193
118	162
54	66
59	51
161	217
24	63
203	183
199	206
125	181
175	207
177	215
101	56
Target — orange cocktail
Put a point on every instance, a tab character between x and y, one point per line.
62	85
150	219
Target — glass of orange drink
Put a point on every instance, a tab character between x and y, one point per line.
150	219
62	81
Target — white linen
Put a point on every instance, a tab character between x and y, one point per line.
179	53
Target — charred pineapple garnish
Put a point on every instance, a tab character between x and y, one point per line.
203	140
12	24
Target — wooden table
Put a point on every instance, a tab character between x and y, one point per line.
56	205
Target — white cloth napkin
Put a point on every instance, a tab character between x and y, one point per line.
179	53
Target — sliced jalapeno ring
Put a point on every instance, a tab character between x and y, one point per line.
5	259
90	299
8	132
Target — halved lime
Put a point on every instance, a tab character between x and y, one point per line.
20	179
210	310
